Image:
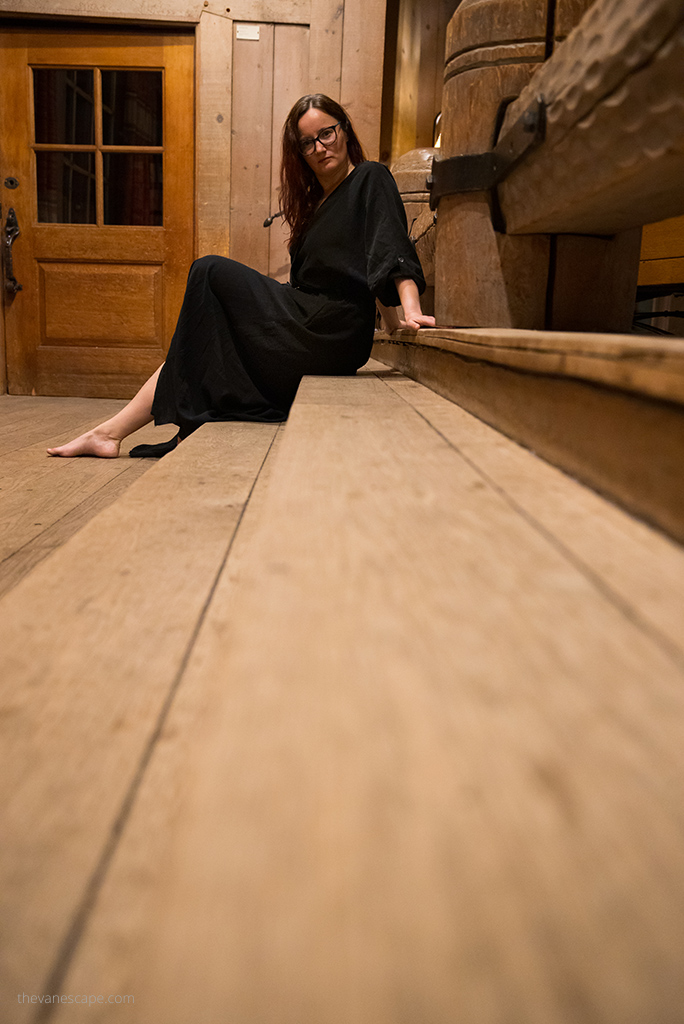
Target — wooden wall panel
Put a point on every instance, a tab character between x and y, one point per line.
325	55
364	27
407	76
290	81
214	57
419	72
251	150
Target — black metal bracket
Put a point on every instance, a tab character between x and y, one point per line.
480	172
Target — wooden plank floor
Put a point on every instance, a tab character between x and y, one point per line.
44	501
420	758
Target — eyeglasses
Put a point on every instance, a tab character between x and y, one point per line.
327	137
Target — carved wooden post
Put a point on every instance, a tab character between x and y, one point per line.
410	172
488	272
485	278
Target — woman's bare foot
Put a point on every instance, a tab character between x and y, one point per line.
95	442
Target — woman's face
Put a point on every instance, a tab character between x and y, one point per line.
326	161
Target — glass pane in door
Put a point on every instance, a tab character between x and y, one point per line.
63	105
132	108
66	187
133	188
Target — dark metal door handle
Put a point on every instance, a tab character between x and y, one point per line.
12	232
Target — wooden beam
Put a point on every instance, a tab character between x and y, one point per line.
614	151
281	11
297	12
130	10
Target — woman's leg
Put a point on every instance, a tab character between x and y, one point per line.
104	440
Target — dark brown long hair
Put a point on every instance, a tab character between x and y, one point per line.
300	190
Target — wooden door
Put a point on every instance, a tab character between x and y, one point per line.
97	130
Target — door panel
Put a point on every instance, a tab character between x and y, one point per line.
122	301
98	129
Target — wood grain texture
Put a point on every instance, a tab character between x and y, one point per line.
650	366
635	563
421	767
567	14
84	506
477	23
407	74
214	56
620	38
279	11
291	53
662	271
130	10
45	501
251	154
482	276
325	51
91	643
663	240
26	420
626	445
594	282
613	154
410	173
361	82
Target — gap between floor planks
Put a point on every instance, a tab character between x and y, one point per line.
226	766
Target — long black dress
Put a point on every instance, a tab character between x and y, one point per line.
244	341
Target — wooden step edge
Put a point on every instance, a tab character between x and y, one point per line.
619	436
648	366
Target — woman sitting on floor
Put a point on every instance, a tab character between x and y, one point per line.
244	341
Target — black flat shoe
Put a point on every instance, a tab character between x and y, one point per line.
154	451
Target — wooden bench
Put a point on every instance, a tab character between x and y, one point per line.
373	718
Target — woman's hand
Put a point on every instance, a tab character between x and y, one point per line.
413	318
414	322
410	303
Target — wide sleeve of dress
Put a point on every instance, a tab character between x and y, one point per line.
390	253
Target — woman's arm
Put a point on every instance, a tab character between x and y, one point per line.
390	317
410	301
